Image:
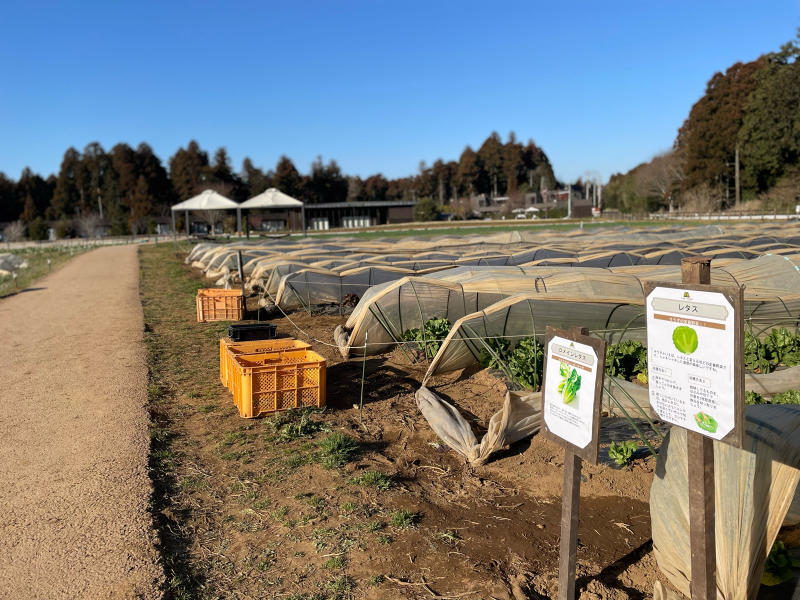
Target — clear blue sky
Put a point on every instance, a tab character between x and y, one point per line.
378	86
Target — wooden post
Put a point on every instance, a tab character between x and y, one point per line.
570	509
570	513
702	536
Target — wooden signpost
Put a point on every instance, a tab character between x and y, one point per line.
572	388
696	381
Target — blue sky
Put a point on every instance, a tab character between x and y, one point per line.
378	86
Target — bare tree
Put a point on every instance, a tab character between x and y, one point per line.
87	224
14	232
212	217
701	198
662	177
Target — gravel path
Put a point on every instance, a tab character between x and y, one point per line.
74	488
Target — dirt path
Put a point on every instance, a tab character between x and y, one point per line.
74	488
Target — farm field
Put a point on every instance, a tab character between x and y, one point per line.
440	339
285	507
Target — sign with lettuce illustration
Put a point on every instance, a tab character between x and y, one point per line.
691	338
569	390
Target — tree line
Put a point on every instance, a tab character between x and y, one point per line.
129	186
751	110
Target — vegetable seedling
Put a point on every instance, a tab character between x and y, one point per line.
622	453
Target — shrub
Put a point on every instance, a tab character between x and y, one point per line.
38	229
426	210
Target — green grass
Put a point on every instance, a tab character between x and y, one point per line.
487	228
37	266
294	424
341	585
336	450
335	562
404	519
374	479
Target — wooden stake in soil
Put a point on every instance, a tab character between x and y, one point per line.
571	417
570	516
702	537
694	345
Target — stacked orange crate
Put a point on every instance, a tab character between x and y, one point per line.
228	349
219	305
275	381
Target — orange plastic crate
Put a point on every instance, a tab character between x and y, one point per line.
275	381
219	305
228	349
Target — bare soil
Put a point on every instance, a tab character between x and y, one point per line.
74	487
251	514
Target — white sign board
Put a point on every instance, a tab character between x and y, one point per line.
569	394
690	359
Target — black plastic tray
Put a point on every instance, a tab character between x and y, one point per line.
252	331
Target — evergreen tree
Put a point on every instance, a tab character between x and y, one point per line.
325	183
34	193
124	163
188	170
159	185
141	206
66	196
468	172
287	179
96	167
708	136
255	180
10	207
375	187
770	132
491	179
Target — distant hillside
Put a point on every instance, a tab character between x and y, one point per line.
754	106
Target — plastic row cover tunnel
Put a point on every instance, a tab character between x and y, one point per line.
310	287
385	312
755	488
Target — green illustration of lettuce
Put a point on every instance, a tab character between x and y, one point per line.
685	339
570	383
706	422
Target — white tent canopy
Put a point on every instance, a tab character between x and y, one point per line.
207	200
274	198
271	198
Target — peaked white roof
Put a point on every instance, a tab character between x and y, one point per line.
207	200
271	198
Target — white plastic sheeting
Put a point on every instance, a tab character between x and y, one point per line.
755	487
